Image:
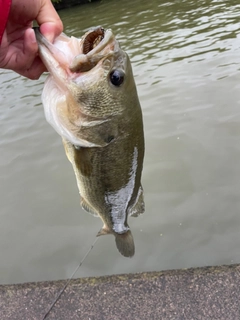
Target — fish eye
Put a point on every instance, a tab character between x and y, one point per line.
117	77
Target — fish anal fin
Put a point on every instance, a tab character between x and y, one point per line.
125	243
139	206
87	207
105	230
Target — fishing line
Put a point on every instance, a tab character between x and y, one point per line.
68	281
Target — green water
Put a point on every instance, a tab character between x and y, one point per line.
186	63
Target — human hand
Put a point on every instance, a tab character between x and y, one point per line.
19	49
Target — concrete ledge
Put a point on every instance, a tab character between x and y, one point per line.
203	293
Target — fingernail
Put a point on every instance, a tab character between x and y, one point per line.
47	29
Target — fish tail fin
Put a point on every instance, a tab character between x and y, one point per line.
125	243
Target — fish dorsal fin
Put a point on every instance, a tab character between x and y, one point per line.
88	208
139	206
125	243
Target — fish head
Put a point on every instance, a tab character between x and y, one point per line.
90	83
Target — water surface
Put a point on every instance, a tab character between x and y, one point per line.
186	62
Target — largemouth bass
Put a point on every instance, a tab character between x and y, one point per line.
90	99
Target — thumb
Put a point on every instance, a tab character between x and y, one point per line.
49	21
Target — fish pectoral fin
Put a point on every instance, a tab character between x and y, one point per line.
125	243
67	149
99	133
88	208
92	133
139	206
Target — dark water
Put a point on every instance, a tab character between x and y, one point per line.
186	62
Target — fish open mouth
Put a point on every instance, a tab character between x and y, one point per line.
92	39
82	54
96	44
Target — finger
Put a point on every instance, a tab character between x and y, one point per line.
34	71
23	59
30	47
21	53
28	63
49	21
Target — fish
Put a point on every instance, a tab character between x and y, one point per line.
90	99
